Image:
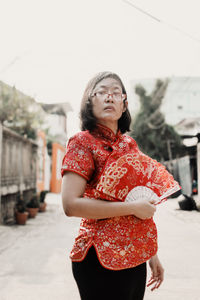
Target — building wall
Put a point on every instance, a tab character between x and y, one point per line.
41	161
58	152
56	124
47	171
43	164
18	171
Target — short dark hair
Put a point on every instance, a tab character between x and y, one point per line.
88	120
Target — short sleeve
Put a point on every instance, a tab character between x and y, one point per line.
78	157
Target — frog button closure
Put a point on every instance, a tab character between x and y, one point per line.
108	148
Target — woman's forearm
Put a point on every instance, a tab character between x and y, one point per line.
97	209
100	209
73	187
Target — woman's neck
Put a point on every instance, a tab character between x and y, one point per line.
110	125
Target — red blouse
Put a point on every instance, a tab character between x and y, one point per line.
113	165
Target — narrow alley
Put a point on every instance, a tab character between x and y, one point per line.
35	265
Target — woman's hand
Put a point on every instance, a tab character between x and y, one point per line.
157	273
144	209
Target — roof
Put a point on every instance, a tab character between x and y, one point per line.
188	127
57	108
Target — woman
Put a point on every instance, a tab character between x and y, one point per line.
100	170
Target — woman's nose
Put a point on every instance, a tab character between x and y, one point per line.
109	97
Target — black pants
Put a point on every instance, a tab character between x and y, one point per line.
96	282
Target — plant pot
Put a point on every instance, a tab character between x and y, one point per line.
21	217
32	211
42	207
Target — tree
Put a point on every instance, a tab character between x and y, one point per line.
156	138
19	112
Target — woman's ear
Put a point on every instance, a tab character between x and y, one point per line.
125	105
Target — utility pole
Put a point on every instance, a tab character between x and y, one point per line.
169	149
170	154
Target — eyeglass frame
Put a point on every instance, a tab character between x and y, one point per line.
110	94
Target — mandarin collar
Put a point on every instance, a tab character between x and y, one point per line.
106	133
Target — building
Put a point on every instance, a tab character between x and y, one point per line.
56	124
28	165
56	120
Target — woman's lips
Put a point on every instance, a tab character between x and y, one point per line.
109	108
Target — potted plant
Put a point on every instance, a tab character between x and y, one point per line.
33	206
43	204
21	214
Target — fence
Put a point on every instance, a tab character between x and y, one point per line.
18	169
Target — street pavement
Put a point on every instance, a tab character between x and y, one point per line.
34	263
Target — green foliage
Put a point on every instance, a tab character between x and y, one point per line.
20	205
154	137
34	202
43	195
19	112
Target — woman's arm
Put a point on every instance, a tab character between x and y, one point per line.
157	272
73	187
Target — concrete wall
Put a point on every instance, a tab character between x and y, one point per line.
18	169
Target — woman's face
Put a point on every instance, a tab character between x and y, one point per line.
108	101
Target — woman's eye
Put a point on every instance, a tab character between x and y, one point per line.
101	92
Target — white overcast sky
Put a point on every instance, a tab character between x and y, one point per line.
49	49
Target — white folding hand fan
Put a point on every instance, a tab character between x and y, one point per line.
145	193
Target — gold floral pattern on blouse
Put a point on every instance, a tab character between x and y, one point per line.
104	158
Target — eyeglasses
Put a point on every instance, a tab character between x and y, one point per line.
115	95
